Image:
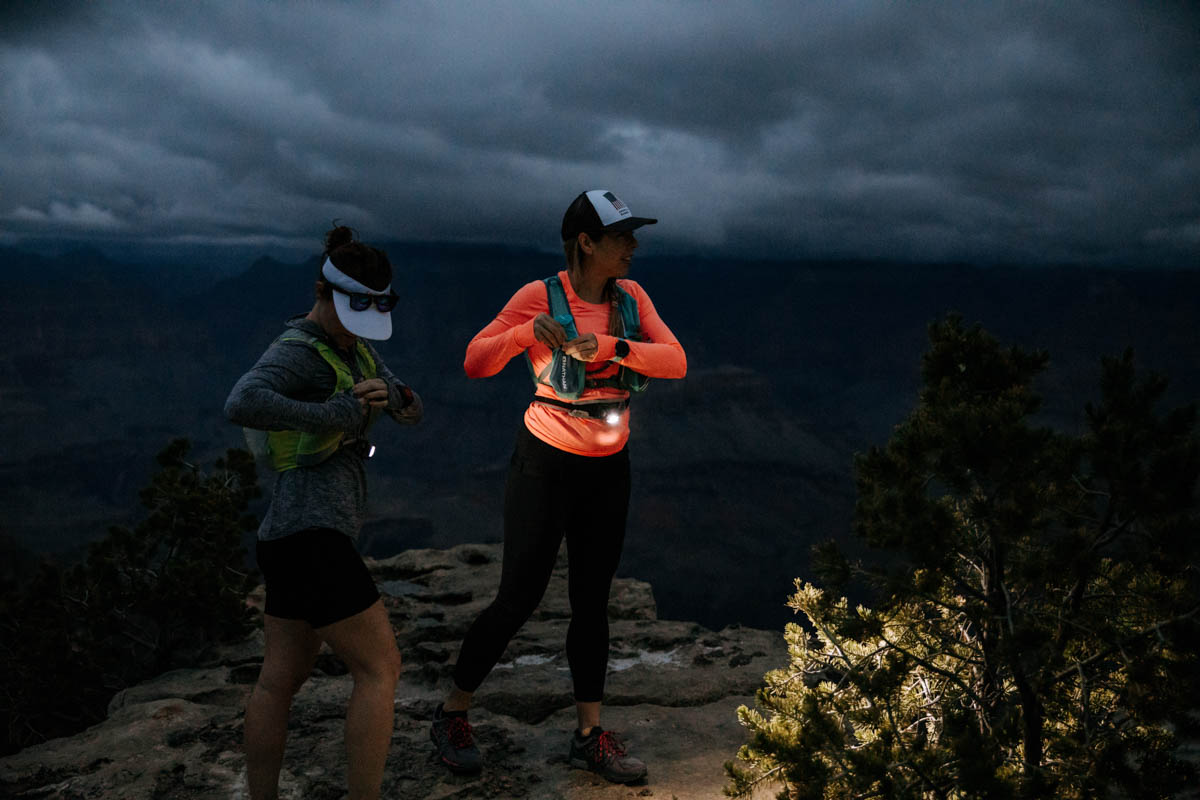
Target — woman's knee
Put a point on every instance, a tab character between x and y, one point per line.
382	667
395	666
282	683
509	612
589	608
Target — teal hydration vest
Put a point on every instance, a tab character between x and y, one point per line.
285	450
567	376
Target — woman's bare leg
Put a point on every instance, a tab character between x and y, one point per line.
457	700
289	650
367	645
588	715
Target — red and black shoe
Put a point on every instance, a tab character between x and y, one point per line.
455	742
604	753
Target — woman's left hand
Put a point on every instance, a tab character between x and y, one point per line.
582	348
372	392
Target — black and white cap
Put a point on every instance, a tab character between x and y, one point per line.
599	210
370	323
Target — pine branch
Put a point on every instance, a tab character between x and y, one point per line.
926	780
950	676
1083	488
746	789
1156	629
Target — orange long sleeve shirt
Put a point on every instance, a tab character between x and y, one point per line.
511	334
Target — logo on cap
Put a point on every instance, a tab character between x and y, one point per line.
617	204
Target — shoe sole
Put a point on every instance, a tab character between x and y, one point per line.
457	769
582	764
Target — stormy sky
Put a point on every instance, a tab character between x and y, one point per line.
986	132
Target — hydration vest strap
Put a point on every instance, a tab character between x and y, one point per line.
611	382
560	308
345	380
564	374
631	330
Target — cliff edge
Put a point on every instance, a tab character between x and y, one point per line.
672	691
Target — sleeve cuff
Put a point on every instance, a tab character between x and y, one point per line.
523	335
400	396
606	347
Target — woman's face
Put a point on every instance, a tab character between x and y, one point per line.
325	315
612	253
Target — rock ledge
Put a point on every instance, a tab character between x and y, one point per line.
672	691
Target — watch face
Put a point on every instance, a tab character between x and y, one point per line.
622	348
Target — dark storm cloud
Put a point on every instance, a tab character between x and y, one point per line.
31	21
1038	132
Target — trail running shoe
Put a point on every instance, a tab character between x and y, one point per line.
455	742
603	753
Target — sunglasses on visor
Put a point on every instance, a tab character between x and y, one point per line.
360	301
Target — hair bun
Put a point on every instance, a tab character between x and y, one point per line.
337	237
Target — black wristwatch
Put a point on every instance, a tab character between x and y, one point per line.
622	349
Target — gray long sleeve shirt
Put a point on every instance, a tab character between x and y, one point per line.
292	388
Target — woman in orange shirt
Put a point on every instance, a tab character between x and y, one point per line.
569	474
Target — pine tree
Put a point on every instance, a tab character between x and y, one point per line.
1036	619
145	600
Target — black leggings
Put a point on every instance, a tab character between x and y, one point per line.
552	493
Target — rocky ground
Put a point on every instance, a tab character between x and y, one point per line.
672	691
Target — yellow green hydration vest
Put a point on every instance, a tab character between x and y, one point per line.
285	450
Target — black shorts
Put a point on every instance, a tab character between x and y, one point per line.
315	575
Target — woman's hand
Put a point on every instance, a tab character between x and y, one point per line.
549	331
372	392
583	348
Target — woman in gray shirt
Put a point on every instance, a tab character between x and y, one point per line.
313	397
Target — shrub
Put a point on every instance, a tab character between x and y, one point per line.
1036	620
144	600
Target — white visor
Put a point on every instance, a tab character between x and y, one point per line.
369	324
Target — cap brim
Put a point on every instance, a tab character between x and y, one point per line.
369	324
629	224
